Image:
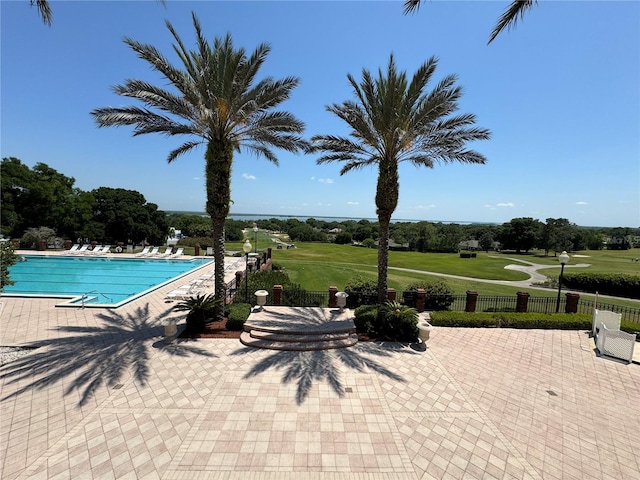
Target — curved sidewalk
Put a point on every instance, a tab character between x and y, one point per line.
105	397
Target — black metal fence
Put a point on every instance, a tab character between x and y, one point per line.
484	303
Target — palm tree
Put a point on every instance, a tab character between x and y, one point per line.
508	19
395	121
219	104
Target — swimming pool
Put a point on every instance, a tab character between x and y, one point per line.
91	281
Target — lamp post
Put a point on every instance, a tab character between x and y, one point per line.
246	248
564	259
255	237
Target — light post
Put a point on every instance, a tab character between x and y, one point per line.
246	248
255	237
564	259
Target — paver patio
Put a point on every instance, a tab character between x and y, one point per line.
105	397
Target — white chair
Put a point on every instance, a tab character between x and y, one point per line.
178	253
615	343
82	249
167	252
144	251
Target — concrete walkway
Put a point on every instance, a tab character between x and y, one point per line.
103	396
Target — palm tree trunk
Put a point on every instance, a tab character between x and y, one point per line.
387	191
384	220
218	158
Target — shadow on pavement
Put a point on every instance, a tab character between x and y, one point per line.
307	367
95	356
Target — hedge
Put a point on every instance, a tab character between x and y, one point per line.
555	321
617	284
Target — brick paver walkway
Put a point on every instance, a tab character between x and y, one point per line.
105	397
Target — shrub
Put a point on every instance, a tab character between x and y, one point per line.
361	292
365	317
554	321
8	257
439	294
238	314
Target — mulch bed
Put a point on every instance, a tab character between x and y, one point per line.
213	330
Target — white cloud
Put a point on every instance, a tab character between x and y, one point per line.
509	204
425	207
353	203
248	176
196	178
325	180
582	203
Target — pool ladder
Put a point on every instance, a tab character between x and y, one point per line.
85	296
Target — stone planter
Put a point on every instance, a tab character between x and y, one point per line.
424	332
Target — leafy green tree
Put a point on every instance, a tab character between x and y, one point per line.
520	234
507	20
41	196
557	234
219	104
395	120
8	257
126	215
486	241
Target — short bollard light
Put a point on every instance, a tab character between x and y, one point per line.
261	298
341	300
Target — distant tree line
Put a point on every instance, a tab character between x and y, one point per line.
519	234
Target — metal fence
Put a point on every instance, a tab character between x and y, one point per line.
484	303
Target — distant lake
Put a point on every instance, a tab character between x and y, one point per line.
302	218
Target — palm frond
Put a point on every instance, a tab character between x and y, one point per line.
411	6
182	149
44	10
509	18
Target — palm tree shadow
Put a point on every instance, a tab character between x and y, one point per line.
94	356
307	367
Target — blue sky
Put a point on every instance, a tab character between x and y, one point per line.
560	93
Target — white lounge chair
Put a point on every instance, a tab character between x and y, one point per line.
184	291
153	252
106	249
74	248
82	249
145	251
167	252
178	252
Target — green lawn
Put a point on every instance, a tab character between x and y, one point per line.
316	266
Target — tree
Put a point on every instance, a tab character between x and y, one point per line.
126	215
507	20
520	234
393	120
557	234
218	103
486	241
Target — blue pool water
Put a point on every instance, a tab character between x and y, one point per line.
105	281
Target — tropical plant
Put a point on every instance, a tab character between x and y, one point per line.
220	104
508	19
398	322
200	308
392	121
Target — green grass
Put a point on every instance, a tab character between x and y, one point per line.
316	266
